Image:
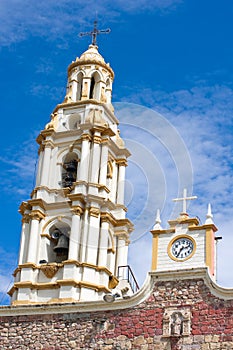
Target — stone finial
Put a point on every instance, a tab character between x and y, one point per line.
209	216
157	225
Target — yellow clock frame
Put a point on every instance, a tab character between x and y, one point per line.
180	237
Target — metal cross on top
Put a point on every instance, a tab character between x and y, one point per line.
95	32
184	199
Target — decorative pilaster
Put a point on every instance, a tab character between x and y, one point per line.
84	162
75	233
95	158
24	239
93	235
103	164
46	163
103	244
121	181
36	216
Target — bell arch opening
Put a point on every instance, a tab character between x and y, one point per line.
59	243
94	92
69	169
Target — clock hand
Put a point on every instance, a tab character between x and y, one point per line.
180	250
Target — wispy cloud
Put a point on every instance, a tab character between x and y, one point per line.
8	262
54	19
203	118
19	168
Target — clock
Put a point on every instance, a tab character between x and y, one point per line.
181	248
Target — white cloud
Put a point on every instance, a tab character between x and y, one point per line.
202	117
19	168
8	262
54	19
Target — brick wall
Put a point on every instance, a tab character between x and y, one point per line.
138	327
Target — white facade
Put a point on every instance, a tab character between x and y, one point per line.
75	233
200	254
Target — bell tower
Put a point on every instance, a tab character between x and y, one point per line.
75	233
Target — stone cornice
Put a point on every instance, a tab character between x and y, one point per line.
94	211
121	304
67	106
121	161
36	215
38	202
77	210
117	151
60	191
108	217
24	207
190	228
84	62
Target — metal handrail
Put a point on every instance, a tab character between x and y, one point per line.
129	276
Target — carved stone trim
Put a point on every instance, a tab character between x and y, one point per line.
77	210
176	322
37	215
48	144
86	137
97	139
26	218
121	162
49	270
93	211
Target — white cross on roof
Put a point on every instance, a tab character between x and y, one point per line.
184	199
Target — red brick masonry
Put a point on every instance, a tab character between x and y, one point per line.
138	327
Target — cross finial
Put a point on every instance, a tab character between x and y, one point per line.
95	32
184	199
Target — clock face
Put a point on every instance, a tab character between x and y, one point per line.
182	248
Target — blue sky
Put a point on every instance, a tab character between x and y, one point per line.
171	57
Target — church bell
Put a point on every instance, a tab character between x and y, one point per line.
62	245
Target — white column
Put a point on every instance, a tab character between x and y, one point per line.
114	184
24	240
84	162
93	235
121	183
103	244
33	237
83	246
103	164
122	252
96	158
46	164
74	84
75	234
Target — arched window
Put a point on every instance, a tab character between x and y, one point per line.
94	92
92	87
79	86
69	169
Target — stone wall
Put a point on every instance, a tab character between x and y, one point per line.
178	314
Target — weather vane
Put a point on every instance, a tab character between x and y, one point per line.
95	32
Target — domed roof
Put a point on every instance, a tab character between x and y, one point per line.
92	54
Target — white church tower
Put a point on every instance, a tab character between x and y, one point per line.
75	233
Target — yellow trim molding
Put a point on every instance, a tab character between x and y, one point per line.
155	248
209	250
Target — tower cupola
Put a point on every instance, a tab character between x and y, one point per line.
89	78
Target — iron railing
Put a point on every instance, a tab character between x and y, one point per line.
125	273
